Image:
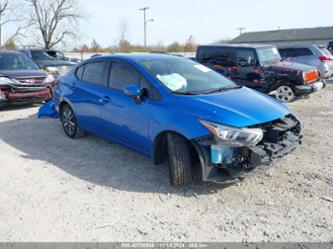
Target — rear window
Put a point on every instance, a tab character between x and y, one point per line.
216	55
295	52
96	73
302	52
285	52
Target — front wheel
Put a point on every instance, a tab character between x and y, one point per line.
285	93
180	163
69	122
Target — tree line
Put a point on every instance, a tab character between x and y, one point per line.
126	46
51	23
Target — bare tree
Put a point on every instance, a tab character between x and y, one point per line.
56	20
123	30
95	47
8	15
190	45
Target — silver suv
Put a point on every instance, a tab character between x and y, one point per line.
309	54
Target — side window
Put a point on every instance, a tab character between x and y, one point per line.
123	75
207	54
302	52
245	57
149	90
79	72
226	56
96	73
285	53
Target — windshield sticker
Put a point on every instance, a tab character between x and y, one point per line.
202	68
275	51
174	81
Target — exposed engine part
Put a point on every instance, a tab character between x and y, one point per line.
280	138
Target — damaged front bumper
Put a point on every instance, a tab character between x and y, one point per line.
222	164
22	93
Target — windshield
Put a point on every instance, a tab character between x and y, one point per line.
268	55
185	76
40	55
16	62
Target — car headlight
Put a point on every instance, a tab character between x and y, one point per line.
234	137
51	69
49	79
6	81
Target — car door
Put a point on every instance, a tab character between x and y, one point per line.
124	120
88	93
246	65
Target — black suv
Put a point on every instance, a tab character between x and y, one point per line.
260	67
61	56
47	62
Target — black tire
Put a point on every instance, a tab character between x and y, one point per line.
180	163
69	122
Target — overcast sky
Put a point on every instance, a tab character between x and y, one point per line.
206	20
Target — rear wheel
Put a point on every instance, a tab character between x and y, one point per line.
285	93
180	163
69	122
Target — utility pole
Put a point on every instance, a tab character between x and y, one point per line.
145	21
241	30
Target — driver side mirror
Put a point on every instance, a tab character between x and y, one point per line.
134	92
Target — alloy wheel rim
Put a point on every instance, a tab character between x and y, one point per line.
68	121
285	94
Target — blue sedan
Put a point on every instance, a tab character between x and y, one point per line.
171	108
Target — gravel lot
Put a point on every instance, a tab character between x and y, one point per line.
57	189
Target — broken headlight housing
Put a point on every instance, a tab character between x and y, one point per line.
234	137
5	81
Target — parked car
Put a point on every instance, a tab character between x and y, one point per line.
170	107
47	62
61	56
260	67
21	80
309	54
330	47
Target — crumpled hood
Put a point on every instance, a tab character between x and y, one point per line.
29	73
289	66
239	108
